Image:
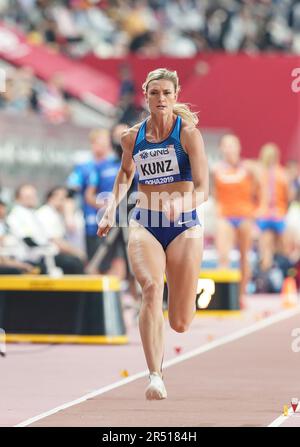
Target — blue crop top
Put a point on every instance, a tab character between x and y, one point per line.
163	162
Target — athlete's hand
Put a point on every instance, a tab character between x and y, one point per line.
173	208
107	221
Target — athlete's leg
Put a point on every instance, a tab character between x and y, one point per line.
148	261
225	239
291	243
244	239
184	255
117	268
266	248
279	242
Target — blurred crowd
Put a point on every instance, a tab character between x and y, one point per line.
115	28
56	234
257	210
183	28
24	94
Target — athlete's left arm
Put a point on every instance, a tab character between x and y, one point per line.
254	170
192	142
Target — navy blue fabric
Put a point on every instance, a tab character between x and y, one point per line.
164	230
142	144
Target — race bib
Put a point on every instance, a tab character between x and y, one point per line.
155	163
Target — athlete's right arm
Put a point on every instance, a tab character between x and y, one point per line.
122	183
214	190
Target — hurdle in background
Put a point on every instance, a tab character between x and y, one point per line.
217	292
70	309
87	309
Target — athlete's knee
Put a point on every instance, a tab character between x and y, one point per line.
152	291
179	325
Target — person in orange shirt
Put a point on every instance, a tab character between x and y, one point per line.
273	203
235	188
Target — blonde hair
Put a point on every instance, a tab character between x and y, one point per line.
181	109
231	138
269	154
96	134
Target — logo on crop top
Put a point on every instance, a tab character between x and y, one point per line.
158	162
144	155
160	152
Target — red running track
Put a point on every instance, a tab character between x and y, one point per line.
243	382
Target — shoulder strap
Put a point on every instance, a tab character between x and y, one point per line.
176	130
141	133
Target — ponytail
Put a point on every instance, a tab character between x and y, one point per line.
185	112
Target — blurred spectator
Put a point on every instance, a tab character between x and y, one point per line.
242	28
65	22
293	172
127	87
131	113
292	233
130	200
50	34
78	180
8	264
185	15
3	225
273	204
101	181
235	187
128	111
25	94
116	134
51	217
52	101
22	219
137	18
25	225
20	94
114	28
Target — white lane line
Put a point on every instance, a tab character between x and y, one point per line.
82	399
207	347
281	419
